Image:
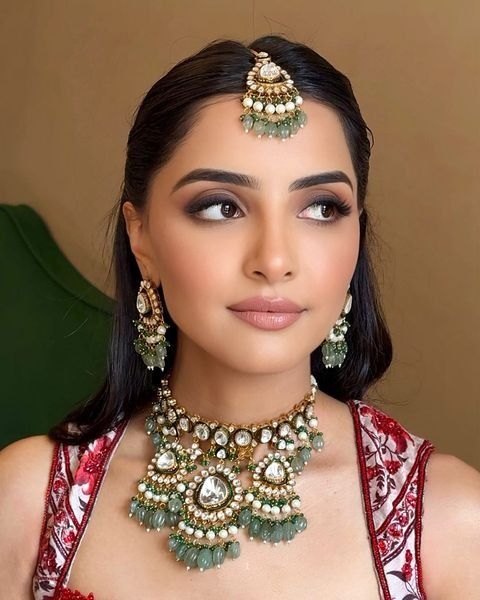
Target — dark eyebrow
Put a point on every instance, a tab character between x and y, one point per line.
253	183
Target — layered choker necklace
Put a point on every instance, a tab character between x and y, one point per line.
194	487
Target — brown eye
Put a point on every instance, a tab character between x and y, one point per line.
327	211
228	209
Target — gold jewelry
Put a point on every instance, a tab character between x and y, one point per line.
205	510
151	343
271	102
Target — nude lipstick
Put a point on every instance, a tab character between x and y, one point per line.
267	313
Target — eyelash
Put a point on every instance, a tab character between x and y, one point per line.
342	208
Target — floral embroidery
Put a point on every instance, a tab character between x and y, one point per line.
394	465
68	594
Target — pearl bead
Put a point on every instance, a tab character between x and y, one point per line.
298	100
270	109
280	108
247	102
181	487
233	529
313	422
286	508
266	508
257	106
275	510
296	503
302	435
223	533
148	495
256	504
189	530
249	497
141	487
181	525
290	106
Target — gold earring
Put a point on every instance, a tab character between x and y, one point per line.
151	343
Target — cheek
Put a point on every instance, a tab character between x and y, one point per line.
192	271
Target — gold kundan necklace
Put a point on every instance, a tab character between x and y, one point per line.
194	488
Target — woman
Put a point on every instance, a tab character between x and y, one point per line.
247	332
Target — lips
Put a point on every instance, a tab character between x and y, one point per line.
264	304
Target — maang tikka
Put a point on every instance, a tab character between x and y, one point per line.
272	102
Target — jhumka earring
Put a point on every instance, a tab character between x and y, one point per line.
334	348
271	102
151	343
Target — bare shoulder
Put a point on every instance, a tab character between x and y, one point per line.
24	475
450	549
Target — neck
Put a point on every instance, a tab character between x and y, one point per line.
216	392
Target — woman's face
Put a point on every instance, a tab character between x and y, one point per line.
265	240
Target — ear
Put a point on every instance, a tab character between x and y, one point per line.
140	242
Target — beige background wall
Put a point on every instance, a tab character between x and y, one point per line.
72	73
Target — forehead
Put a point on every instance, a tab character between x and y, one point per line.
217	140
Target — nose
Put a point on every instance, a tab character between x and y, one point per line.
270	253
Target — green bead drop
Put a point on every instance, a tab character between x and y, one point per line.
233	550
174	505
254	527
218	555
265	531
158	519
247	122
277	533
259	128
305	454
190	557
205	559
133	506
173	542
180	551
284	131
140	514
150	425
271	129
288	531
172	518
244	517
300	523
156	438
147	521
318	442
302	118
297	464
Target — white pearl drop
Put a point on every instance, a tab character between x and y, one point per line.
141	487
257	106
181	487
156	498
210	535
247	102
249	497
302	435
223	533
266	508
256	504
269	109
313	422
181	525
148	495
286	508
233	529
280	108
275	510
290	106
198	533
296	503
298	100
